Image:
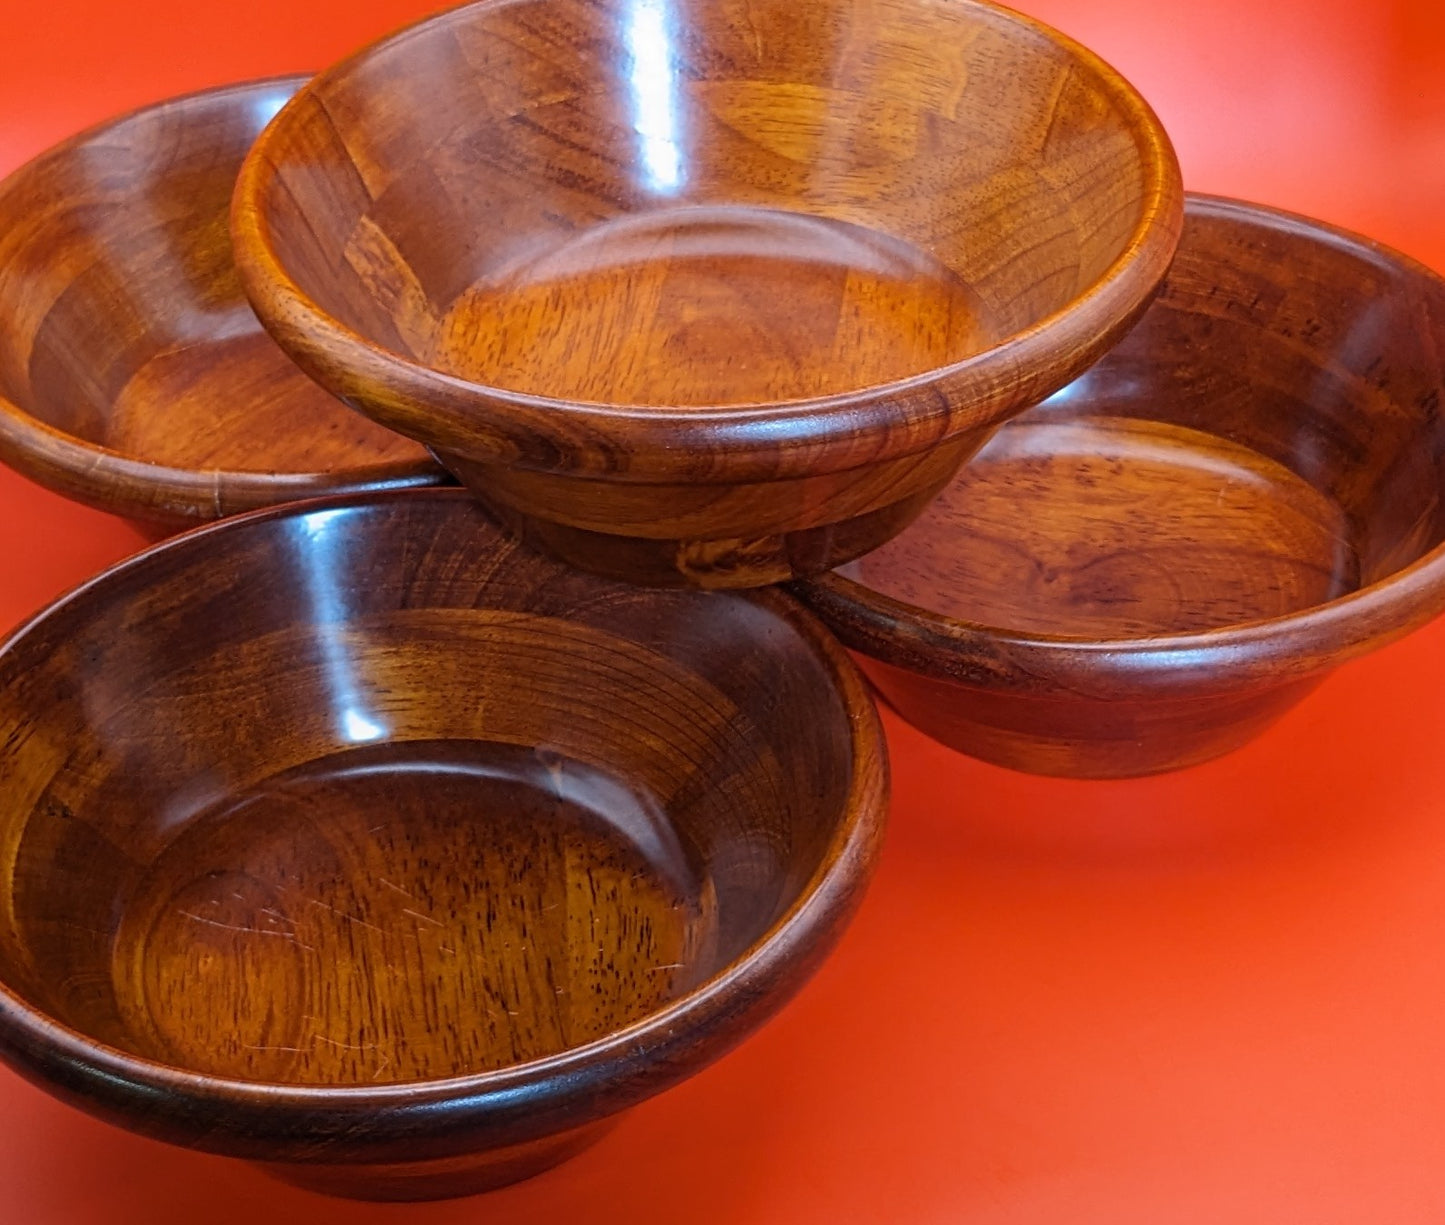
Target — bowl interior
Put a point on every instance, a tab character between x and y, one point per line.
370	794
122	321
651	203
1267	439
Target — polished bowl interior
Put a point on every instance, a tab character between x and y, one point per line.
683	243
1153	563
666	202
133	374
419	844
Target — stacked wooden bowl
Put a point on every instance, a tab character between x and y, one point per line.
398	839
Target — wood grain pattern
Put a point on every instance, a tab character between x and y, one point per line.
407	871
1147	569
133	374
731	269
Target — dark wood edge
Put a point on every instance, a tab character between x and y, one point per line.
177	497
87	135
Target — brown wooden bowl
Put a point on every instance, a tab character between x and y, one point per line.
134	376
707	292
357	839
1149	568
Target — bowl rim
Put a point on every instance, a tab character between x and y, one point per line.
521	1101
1298	643
114	481
775	440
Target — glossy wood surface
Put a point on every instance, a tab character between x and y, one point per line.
1209	996
133	374
360	840
1154	564
707	294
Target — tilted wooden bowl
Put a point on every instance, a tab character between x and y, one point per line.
133	374
1148	569
357	839
707	292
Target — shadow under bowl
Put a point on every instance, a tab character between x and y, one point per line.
707	294
1150	567
356	839
134	376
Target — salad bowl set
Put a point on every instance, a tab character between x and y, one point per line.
559	421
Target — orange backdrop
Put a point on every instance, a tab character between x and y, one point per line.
1216	996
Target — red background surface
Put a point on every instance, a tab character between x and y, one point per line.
1213	996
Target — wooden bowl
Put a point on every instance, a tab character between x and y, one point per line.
707	292
134	377
1149	568
357	839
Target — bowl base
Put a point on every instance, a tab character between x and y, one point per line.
713	305
235	403
1101	738
639	550
715	564
360	920
1117	527
441	1178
